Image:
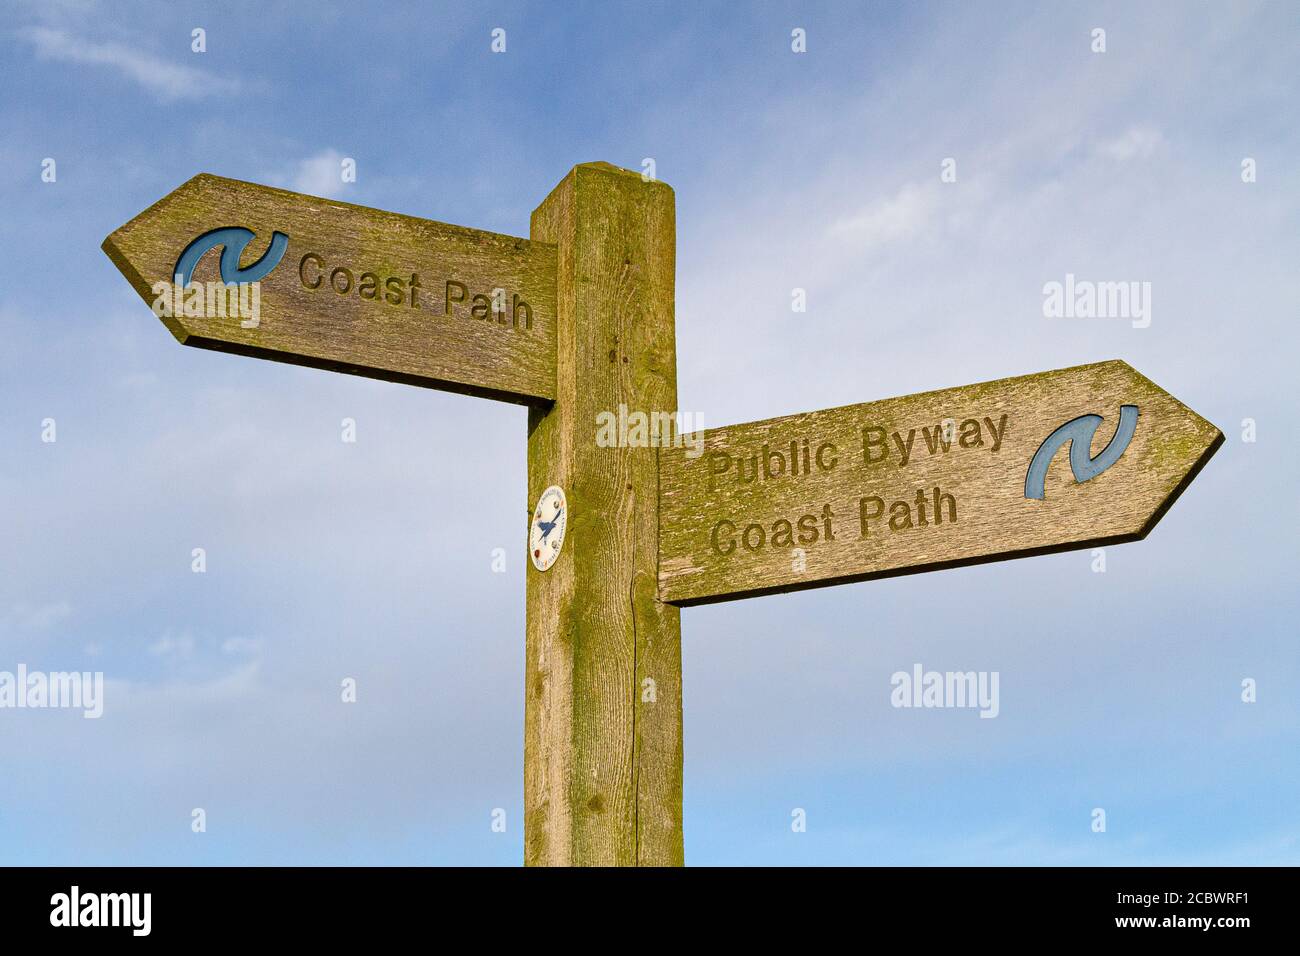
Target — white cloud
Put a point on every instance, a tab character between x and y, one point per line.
41	617
241	645
904	215
173	646
167	80
1139	142
319	175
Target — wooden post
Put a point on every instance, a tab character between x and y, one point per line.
603	704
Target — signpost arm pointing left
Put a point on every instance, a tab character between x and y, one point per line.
349	289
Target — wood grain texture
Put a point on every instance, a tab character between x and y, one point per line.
980	477
415	342
603	765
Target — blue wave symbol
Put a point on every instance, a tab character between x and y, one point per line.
1078	432
233	239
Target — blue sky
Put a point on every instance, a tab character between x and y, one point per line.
818	171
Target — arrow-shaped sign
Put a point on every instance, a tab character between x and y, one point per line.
1075	458
242	268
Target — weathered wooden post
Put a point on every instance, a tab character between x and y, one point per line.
603	701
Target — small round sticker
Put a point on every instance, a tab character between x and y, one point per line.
546	536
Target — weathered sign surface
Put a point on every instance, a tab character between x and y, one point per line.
343	287
1074	458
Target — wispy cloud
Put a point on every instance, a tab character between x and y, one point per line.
894	218
28	617
181	645
1137	142
318	175
241	645
166	80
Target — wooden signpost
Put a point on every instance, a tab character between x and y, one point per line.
576	322
922	482
355	290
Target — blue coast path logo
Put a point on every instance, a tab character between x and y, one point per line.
233	240
1079	432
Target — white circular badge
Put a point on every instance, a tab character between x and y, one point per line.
550	518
